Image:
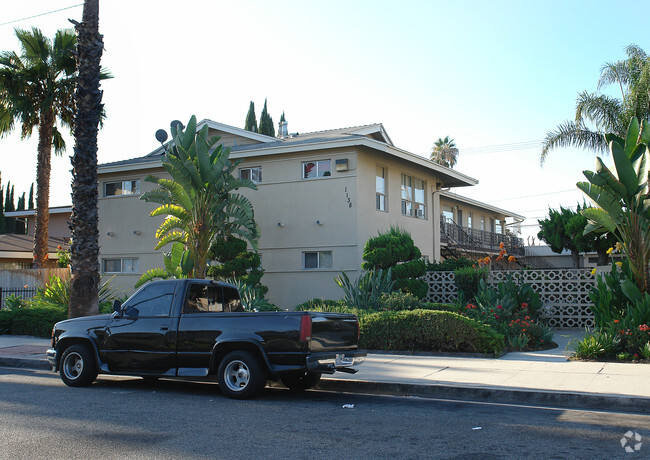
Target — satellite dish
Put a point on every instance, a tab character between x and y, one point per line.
177	124
161	135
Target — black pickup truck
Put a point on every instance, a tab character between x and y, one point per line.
198	328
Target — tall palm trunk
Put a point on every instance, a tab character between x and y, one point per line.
43	171
85	233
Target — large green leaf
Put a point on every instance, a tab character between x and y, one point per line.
624	169
607	180
631	137
599	221
172	237
153	274
608	202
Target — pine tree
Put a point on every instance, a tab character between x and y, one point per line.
251	121
31	197
266	123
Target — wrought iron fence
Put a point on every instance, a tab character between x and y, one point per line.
479	240
24	292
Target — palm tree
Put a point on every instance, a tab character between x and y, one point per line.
199	201
36	90
597	113
444	152
84	250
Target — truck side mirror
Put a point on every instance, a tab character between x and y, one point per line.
117	305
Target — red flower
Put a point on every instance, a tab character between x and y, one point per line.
499	307
617	321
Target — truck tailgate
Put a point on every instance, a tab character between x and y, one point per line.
333	332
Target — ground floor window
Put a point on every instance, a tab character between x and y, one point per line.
121	265
316	260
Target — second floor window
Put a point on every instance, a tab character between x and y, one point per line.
380	188
413	197
125	187
316	169
252	174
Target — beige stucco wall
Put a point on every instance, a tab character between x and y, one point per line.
58	226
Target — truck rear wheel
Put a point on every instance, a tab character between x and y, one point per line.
240	375
77	368
301	380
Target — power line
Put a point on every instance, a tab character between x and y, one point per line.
41	14
538	194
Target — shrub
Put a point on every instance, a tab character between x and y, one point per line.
596	345
37	321
396	250
450	265
454	308
425	330
330	306
397	301
467	282
364	293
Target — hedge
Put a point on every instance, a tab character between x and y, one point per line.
36	321
428	330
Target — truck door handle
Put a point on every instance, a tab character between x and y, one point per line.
164	328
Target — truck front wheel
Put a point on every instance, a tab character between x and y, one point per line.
240	375
77	368
301	380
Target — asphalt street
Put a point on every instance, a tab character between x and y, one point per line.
128	418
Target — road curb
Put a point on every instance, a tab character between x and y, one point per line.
493	395
25	363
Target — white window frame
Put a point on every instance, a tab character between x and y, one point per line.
319	260
379	195
135	262
410	206
251	175
318	169
123	187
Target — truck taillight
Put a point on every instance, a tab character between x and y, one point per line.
305	328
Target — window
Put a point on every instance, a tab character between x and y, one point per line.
469	219
380	188
252	174
125	187
448	213
316	169
153	299
413	197
483	223
212	298
121	266
315	260
499	226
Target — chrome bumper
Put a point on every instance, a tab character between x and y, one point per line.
328	363
52	358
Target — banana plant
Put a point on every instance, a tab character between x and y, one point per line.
178	264
622	200
199	201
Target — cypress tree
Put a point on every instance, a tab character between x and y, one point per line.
31	197
2	209
266	123
10	222
251	121
20	225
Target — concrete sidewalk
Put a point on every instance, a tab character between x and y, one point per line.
534	378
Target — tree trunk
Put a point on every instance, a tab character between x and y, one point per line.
43	170
84	250
575	257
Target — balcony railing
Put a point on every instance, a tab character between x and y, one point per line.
471	239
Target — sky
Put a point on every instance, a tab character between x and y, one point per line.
495	76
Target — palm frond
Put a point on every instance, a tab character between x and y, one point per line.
569	134
602	110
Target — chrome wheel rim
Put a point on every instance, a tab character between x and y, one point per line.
236	375
73	366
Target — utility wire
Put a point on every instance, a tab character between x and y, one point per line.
41	14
